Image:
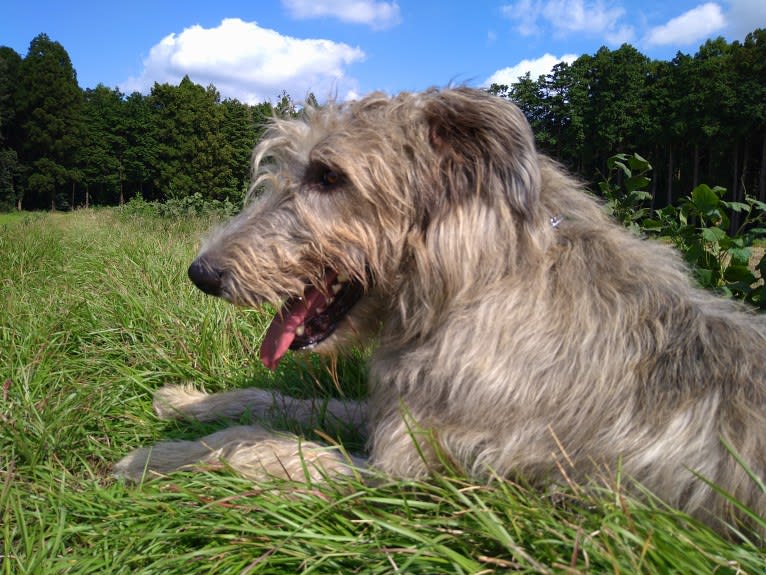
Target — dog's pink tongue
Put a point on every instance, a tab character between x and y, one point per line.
281	332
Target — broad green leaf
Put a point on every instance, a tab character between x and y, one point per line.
650	224
636	183
639	164
737	206
713	235
739	273
705	277
704	198
614	160
739	256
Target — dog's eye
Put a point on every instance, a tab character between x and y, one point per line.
330	178
323	177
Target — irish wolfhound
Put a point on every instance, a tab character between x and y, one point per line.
516	329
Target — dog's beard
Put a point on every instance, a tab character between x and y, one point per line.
307	320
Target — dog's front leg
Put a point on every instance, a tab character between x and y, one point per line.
183	401
402	445
249	450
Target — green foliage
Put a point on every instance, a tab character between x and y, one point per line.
9	172
63	147
189	206
48	105
701	116
10	168
699	225
105	145
626	197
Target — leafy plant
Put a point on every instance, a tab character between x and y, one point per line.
185	206
700	227
626	197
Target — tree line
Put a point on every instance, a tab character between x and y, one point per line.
697	118
63	147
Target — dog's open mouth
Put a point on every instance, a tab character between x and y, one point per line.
305	321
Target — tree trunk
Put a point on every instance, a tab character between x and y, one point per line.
121	177
696	171
669	191
762	175
738	194
653	189
742	183
734	171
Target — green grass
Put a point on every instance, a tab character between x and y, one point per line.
96	312
8	218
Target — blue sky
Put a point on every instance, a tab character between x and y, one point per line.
252	50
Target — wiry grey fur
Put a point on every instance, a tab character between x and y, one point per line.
518	347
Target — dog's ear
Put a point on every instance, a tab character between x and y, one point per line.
486	149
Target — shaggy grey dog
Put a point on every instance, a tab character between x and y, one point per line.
516	329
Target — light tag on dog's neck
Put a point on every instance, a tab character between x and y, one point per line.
555	221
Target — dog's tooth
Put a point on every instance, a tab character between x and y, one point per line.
300	330
336	288
342	278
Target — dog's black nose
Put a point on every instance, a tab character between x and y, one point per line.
206	276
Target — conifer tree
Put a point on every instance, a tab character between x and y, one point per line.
49	107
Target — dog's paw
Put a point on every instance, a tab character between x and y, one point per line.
163	458
134	467
177	401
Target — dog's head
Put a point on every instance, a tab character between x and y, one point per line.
354	202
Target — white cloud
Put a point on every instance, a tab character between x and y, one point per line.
374	14
247	62
567	17
577	16
620	36
536	68
526	14
691	27
744	16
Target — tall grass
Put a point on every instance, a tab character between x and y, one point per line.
96	313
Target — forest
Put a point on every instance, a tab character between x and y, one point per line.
697	118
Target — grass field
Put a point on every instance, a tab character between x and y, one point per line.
14	217
96	312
